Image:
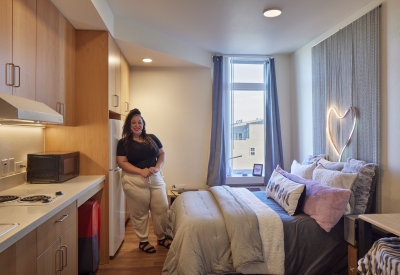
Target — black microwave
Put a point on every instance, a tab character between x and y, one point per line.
52	167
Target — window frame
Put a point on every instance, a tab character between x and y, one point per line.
245	178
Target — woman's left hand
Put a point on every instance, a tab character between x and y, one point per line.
154	170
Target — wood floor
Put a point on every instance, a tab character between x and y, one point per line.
131	260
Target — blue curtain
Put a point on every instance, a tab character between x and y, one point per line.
273	140
217	162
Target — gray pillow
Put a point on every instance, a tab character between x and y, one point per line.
311	159
363	183
331	165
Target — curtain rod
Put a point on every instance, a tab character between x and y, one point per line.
243	55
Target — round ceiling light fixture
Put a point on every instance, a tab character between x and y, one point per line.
273	12
147	60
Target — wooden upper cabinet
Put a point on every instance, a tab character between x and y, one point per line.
5	45
55	64
125	94
18	47
114	76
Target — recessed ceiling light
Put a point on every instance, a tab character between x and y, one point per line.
147	60
274	12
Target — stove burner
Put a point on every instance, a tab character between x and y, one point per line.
35	198
7	198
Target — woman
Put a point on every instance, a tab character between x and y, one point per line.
141	156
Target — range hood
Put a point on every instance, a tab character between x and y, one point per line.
19	111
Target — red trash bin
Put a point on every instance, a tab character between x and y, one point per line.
88	237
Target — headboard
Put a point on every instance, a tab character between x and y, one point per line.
346	73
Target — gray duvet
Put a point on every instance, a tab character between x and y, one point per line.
202	225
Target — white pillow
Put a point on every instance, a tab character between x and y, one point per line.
336	179
301	170
284	191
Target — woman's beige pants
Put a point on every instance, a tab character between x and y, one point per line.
142	195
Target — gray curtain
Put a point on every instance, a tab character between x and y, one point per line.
346	72
217	162
273	140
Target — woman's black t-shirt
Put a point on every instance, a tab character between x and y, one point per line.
140	154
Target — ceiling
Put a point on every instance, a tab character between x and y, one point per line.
187	32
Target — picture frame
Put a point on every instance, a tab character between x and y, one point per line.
257	170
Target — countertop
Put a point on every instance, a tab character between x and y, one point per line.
78	189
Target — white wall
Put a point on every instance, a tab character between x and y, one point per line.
176	105
301	84
16	142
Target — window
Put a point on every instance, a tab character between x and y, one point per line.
246	113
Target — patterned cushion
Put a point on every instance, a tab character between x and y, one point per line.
363	191
304	171
285	192
336	179
323	203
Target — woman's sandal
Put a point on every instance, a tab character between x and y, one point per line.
162	242
150	250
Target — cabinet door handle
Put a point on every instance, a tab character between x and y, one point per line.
116	101
19	76
66	256
63	218
61	267
127	106
60	108
11	78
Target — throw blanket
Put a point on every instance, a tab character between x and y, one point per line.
218	232
383	258
272	235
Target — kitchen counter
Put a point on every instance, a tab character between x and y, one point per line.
77	189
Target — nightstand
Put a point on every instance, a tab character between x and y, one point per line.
172	195
387	222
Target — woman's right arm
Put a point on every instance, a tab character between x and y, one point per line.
130	168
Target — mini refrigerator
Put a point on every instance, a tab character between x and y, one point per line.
116	193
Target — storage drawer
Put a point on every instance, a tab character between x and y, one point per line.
53	228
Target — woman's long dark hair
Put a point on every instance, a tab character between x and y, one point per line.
127	134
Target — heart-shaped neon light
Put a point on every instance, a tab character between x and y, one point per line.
328	130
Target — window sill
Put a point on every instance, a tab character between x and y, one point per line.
239	179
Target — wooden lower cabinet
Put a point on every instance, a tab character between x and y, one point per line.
61	256
20	258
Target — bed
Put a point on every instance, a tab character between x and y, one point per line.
228	230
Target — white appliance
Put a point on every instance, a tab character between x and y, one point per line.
116	193
16	110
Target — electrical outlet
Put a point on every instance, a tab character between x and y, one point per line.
11	166
18	166
4	167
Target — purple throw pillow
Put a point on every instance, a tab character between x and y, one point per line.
323	203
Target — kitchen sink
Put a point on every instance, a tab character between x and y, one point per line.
6	227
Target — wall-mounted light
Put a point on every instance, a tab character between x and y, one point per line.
147	60
272	12
329	132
